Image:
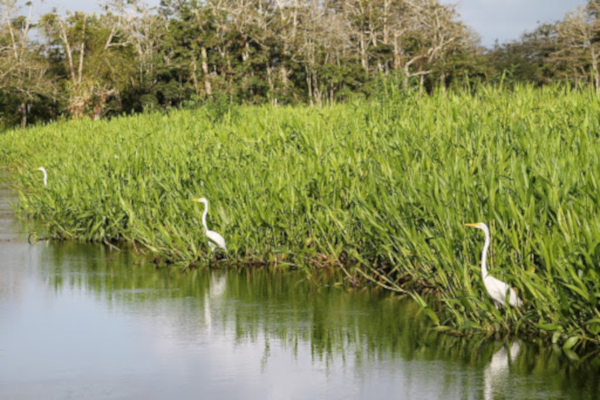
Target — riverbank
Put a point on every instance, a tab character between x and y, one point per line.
381	189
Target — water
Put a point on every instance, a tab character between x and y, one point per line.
78	321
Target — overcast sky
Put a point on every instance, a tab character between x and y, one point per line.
492	19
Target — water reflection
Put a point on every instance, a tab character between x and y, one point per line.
496	372
215	293
79	320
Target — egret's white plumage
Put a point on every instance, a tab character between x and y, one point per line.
45	174
214	239
495	287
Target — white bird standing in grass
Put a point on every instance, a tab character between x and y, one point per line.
45	174
495	287
214	239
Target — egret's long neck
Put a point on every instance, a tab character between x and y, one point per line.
486	246
45	177
204	216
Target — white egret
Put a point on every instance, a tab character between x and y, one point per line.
495	287
214	239
45	174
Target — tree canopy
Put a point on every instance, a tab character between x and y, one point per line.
131	57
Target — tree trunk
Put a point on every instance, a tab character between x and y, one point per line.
69	51
295	20
595	69
363	53
97	112
81	55
331	92
396	54
284	76
270	78
246	52
195	73
23	115
309	82
207	85
443	81
386	7
316	90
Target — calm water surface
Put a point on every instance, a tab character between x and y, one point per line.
80	322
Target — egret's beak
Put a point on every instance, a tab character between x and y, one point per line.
198	199
471	225
37	169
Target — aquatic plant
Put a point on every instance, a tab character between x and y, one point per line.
380	189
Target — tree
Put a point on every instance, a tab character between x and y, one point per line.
430	32
579	38
137	32
530	59
24	77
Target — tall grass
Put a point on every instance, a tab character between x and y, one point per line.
381	189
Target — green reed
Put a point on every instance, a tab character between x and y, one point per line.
380	189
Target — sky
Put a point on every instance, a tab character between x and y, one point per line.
501	20
506	20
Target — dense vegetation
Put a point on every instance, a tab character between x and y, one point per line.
131	58
380	189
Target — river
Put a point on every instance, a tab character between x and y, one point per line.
79	321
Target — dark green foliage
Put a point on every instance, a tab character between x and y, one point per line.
132	58
528	59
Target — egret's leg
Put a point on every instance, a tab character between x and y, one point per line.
211	245
496	305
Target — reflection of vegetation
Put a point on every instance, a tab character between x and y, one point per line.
262	304
110	274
